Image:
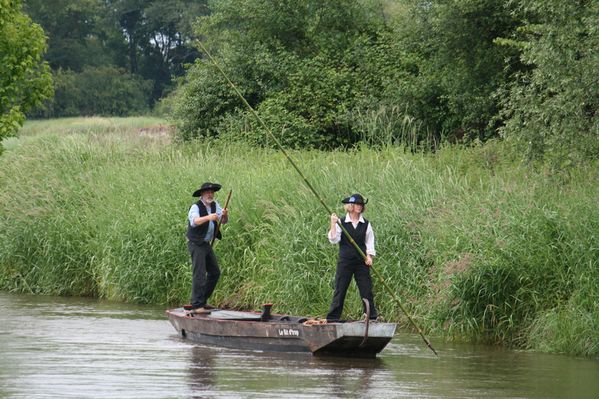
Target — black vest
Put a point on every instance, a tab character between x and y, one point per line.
346	248
197	234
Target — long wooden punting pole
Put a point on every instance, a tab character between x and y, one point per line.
351	240
218	224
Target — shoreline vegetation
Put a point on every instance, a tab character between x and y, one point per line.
477	246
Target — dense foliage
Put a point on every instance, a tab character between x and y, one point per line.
148	39
474	246
329	74
24	76
299	63
306	66
553	105
101	90
459	67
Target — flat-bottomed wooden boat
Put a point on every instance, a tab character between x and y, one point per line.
282	333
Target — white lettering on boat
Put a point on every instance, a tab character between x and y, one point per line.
288	332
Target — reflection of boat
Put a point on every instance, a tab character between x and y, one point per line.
280	333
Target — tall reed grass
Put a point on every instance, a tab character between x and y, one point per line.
475	246
390	126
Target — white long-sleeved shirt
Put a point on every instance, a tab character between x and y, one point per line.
369	235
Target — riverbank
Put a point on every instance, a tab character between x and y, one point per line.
476	246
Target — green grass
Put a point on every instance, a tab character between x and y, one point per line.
475	246
91	124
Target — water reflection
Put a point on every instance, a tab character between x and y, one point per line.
202	372
353	377
225	372
81	348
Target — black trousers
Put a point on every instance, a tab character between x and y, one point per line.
205	273
346	269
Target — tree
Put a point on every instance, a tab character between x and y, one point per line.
104	90
25	79
300	63
334	73
159	37
169	41
75	32
150	38
552	108
458	65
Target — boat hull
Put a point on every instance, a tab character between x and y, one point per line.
283	333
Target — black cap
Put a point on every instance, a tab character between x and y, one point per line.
206	186
355	199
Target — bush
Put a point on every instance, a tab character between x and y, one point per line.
301	65
552	109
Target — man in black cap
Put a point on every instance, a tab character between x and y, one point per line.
202	222
350	262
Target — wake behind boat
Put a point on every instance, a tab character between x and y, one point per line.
282	333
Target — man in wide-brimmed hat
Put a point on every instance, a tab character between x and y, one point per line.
202	218
351	263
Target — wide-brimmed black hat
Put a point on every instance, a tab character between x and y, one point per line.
355	199
206	186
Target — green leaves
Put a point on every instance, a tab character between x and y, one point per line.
300	64
98	91
24	76
552	109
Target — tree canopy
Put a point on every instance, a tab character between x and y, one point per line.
299	62
551	109
24	76
129	40
328	74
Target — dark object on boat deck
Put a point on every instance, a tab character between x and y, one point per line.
282	333
266	312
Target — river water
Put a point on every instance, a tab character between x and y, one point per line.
82	348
